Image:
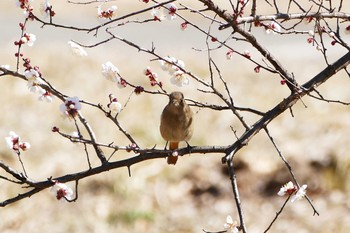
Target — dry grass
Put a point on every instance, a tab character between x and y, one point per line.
196	193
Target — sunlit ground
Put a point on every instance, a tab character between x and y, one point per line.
195	194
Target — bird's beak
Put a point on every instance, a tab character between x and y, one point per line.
175	102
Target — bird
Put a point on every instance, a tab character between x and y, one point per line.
176	123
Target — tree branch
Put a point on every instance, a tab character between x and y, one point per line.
288	102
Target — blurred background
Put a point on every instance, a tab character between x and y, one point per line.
196	193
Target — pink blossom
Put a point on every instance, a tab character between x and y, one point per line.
62	191
70	107
109	13
183	26
229	55
13	141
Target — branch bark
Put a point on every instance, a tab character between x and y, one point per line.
288	102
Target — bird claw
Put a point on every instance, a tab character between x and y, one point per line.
189	147
166	144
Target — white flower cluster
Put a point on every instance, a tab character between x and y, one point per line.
34	81
70	107
175	68
114	106
168	11
111	73
13	141
109	13
291	189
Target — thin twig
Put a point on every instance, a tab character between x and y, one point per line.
236	194
289	168
91	133
20	160
277	214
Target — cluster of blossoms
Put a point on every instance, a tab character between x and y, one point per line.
168	11
46	9
272	27
174	67
77	49
70	107
13	141
111	73
153	77
23	4
27	39
311	40
109	13
62	191
331	34
291	189
114	106
33	76
288	189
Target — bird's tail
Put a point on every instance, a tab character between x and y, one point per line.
172	159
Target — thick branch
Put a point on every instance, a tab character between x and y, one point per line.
142	156
287	103
252	40
282	16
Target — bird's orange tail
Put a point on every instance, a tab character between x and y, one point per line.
172	159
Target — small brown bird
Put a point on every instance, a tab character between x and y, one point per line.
176	123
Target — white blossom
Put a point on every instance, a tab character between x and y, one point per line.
62	191
14	142
34	80
111	73
230	226
77	49
70	107
44	8
288	188
115	107
300	194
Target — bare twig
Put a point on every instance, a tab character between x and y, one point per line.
20	160
281	16
308	87
236	194
277	214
